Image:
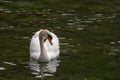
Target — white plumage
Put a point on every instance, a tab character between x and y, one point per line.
44	46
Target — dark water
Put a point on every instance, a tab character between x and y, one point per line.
88	32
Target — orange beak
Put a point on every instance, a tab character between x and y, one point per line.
50	41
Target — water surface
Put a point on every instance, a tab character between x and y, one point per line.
88	32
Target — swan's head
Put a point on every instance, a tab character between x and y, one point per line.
45	34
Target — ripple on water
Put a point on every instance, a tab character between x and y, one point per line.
99	20
62	37
42	76
8	11
78	44
11	27
9	63
98	15
115	42
70	24
2	68
65	50
5	1
71	10
92	19
80	29
112	42
71	20
118	42
114	51
35	73
3	9
111	17
2	28
59	11
58	27
86	21
64	43
25	37
41	70
78	20
68	14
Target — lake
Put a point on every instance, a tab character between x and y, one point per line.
88	32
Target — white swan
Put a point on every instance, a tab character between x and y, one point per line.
44	46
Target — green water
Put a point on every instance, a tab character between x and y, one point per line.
88	32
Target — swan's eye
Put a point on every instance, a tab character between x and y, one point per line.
45	40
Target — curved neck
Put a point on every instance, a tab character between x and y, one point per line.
43	53
42	45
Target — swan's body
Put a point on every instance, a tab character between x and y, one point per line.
44	46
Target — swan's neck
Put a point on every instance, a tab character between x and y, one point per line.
43	54
42	45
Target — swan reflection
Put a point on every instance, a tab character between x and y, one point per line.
40	70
